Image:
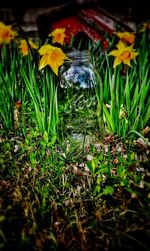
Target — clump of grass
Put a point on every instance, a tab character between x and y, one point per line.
123	98
43	91
57	194
12	89
46	205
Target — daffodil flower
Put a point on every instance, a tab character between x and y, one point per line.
52	56
25	48
123	54
58	35
145	26
126	37
6	33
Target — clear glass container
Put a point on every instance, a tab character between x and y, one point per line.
77	83
78	72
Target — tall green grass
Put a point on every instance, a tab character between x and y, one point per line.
11	88
20	80
123	98
43	92
123	102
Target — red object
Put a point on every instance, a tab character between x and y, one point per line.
99	18
73	25
95	22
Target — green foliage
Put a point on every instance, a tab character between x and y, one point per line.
43	91
11	87
123	94
67	187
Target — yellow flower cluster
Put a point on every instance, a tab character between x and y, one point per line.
24	46
55	57
51	55
6	33
125	51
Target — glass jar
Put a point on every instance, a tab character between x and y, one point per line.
77	83
78	72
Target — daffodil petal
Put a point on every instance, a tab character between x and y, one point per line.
55	68
114	53
127	61
33	45
121	46
43	62
45	49
117	61
134	55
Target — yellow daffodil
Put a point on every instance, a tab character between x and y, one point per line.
123	54
25	48
126	37
52	56
6	33
145	26
58	35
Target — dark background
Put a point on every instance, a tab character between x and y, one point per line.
136	10
122	5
